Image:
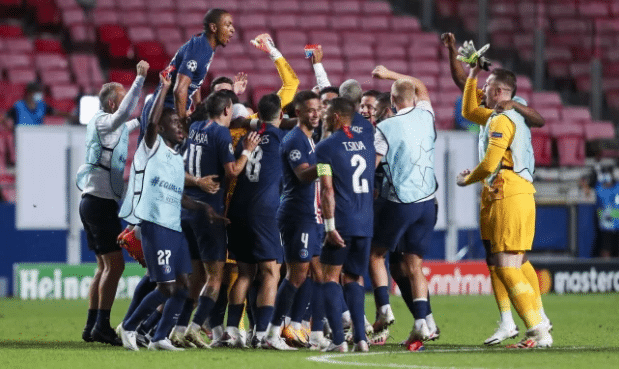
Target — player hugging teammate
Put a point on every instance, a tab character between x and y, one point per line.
325	193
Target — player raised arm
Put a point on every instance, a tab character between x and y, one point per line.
421	91
319	70
129	102
180	100
152	128
233	169
531	116
458	74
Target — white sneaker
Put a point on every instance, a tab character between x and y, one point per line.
233	338
192	334
379	337
275	343
538	337
129	339
118	328
163	345
368	326
384	319
501	334
318	344
421	332
361	346
342	347
178	339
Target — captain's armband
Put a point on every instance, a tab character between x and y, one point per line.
324	170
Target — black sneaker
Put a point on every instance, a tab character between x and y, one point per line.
106	335
86	334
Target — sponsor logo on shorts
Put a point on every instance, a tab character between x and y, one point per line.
295	155
303	253
167	269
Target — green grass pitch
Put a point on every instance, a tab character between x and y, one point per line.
47	334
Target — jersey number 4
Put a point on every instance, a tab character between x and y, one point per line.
359	185
252	169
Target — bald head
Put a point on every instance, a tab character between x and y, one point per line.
403	93
352	91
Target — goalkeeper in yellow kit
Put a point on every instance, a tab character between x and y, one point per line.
506	170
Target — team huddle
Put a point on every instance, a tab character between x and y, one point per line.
317	187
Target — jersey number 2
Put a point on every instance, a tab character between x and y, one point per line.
359	185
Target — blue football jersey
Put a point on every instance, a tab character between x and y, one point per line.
258	186
299	201
209	147
193	59
351	156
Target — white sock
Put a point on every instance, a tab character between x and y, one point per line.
218	332
287	320
273	330
419	324
431	323
233	331
384	309
194	326
306	324
179	329
507	320
296	325
316	336
346	318
543	314
260	335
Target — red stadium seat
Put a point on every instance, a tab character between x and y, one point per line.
53	77
253	20
358	51
243	64
317	6
64	105
50	61
541	141
105	16
45	45
21	75
195	5
124	77
266	81
334	66
575	113
356	37
570	144
426	68
134	18
549	113
397	65
10	30
419	53
18	45
160	18
346	7
125	5
255	7
562	10
376	8
61	92
361	66
166	34
140	34
593	9
444	117
395	52
376	23
15	60
314	22
545	99
596	130
191	20
405	24
72	17
154	53
161	5
285	7
193	30
345	22
291	37
283	21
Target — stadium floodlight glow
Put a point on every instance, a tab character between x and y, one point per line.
89	105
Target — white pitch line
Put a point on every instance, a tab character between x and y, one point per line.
332	358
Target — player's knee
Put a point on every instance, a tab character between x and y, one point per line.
168	289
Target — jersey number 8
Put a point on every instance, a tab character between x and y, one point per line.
252	169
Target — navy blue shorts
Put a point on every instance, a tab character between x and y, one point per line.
192	244
165	251
255	240
101	223
355	257
409	225
301	240
210	238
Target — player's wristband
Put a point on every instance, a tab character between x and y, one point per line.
330	225
274	54
324	170
246	153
